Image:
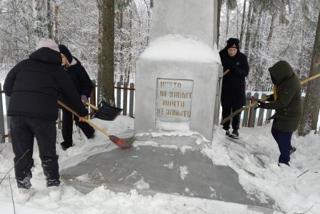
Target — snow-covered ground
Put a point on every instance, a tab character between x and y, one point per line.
295	189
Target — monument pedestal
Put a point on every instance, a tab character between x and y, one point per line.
178	78
176	86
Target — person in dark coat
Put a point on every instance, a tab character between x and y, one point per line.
84	87
235	69
287	103
34	86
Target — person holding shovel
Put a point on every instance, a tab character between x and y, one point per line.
236	68
286	101
34	86
84	87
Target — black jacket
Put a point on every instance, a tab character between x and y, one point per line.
233	84
35	84
80	78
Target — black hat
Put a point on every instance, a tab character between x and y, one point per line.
233	41
65	51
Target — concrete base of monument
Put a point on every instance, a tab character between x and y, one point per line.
164	164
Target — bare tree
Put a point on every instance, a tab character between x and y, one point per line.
106	51
41	11
312	102
243	21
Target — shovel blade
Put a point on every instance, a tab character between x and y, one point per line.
121	143
106	112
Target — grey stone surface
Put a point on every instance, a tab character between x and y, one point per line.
185	17
152	169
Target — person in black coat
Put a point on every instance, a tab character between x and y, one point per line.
34	86
84	87
235	69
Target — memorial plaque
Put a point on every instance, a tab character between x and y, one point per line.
173	102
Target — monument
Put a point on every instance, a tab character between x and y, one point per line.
179	74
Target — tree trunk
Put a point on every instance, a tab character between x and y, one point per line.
243	20
248	32
218	20
311	103
56	23
130	61
40	17
273	19
106	51
256	35
228	17
50	20
149	17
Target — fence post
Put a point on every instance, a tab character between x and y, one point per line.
125	98
93	100
2	131
118	95
261	113
246	112
269	113
252	113
7	99
131	104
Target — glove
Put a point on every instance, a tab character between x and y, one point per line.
270	97
84	98
261	104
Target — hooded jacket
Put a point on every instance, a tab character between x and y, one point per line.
35	84
288	103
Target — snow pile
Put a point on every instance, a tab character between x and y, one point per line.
179	48
253	157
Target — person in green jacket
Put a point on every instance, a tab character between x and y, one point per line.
286	101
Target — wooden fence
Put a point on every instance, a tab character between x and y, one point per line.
125	99
255	117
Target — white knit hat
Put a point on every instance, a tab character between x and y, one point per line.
48	43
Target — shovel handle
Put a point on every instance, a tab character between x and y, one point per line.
84	119
92	106
103	131
310	78
302	82
226	72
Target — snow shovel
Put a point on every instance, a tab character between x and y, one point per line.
122	143
226	72
255	103
104	111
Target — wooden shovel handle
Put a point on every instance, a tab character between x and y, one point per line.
84	119
226	72
92	106
310	78
254	104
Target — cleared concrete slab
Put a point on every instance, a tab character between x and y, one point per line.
175	166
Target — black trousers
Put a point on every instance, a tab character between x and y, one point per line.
23	131
227	108
283	140
67	127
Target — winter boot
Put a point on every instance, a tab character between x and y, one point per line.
65	145
53	182
24	183
292	149
283	165
235	134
